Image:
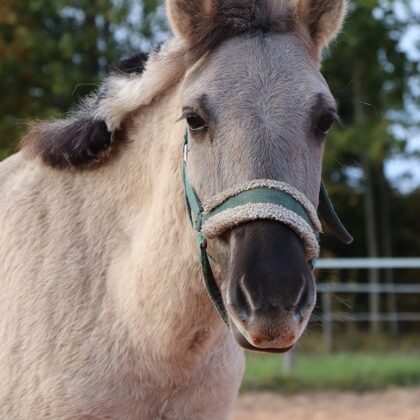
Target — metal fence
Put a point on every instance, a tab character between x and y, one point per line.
327	290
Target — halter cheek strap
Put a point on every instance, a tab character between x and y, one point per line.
259	199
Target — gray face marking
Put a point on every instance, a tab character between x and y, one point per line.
260	96
262	100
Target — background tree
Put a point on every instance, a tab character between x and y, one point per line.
53	52
370	77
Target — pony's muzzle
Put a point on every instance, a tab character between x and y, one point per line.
270	286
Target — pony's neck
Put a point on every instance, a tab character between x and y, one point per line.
161	283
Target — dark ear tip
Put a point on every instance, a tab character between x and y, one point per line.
130	65
91	144
97	138
81	143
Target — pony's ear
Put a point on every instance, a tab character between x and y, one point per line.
322	19
189	17
71	143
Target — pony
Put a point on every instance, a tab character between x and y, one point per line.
104	312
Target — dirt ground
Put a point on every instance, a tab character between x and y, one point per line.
395	404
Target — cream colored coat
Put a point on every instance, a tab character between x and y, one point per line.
103	310
103	313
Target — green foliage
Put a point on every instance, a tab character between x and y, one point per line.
361	362
356	372
54	52
369	75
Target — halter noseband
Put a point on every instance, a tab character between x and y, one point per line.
257	200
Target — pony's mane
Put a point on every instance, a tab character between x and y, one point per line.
90	134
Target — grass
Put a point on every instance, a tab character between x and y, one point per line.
342	371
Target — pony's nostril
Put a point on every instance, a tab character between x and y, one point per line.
298	316
303	302
244	304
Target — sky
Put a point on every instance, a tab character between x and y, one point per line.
404	173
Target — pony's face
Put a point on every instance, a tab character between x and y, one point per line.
257	107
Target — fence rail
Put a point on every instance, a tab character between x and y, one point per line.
359	317
327	290
367	288
366	263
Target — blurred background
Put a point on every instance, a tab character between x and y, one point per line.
365	334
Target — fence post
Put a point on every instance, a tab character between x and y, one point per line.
392	303
288	362
327	321
374	302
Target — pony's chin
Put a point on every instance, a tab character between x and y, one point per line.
245	344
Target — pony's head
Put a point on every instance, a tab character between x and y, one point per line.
257	111
257	108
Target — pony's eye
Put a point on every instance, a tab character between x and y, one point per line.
196	123
325	123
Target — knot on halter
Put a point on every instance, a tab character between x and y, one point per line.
263	199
